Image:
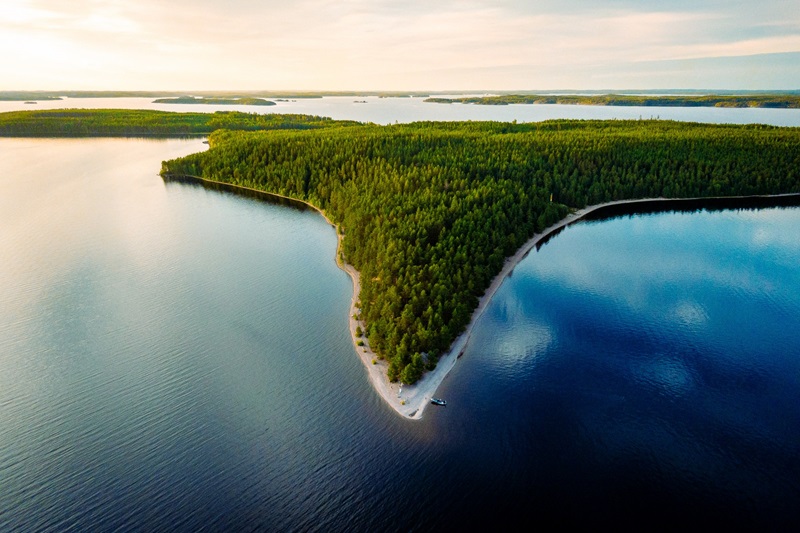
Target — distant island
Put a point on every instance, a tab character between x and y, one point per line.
213	101
780	101
146	123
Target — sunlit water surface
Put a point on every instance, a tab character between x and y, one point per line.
391	110
176	358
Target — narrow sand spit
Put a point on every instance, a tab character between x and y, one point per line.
411	400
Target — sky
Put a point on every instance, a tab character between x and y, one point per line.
399	45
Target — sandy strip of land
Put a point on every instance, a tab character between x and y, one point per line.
411	400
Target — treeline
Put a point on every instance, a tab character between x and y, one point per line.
26	95
135	122
783	101
191	100
430	211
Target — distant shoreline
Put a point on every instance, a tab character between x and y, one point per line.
410	401
189	100
761	100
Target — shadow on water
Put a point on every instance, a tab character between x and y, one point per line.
692	205
679	205
275	199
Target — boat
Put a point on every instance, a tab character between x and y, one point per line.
438	401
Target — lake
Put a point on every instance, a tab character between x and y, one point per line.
177	358
391	110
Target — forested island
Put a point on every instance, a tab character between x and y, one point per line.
191	100
782	101
135	122
26	96
429	211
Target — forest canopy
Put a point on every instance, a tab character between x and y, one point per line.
429	211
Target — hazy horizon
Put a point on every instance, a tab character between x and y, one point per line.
275	93
360	45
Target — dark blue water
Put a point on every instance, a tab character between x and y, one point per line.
176	358
646	369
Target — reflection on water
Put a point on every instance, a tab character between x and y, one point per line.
670	371
178	358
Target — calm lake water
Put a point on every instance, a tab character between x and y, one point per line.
390	110
176	358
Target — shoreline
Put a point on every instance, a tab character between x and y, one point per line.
417	397
376	368
410	401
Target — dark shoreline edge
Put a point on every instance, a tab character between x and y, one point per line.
597	212
645	206
592	213
220	186
712	203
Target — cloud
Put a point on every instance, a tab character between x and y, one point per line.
324	44
747	47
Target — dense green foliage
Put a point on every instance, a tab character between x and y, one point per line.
431	210
191	100
753	100
133	122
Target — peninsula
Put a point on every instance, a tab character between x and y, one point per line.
432	216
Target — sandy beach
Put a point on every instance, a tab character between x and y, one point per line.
412	400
